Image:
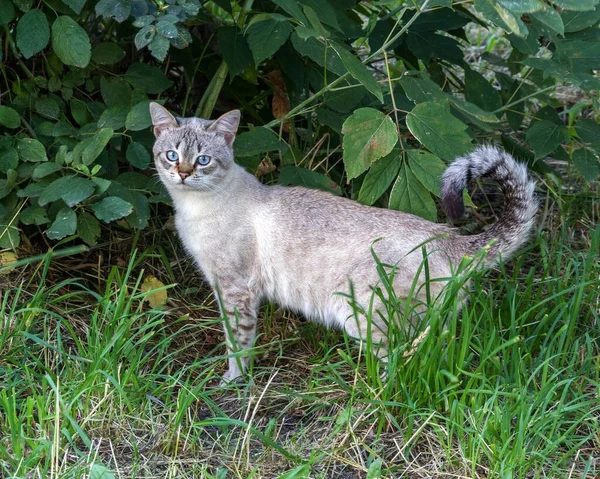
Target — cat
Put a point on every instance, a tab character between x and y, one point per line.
298	247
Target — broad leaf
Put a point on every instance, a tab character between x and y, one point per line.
258	140
315	50
148	78
501	16
112	208
33	32
139	117
70	42
421	90
96	146
589	132
379	177
114	117
138	156
428	169
587	164
31	150
579	5
88	228
358	70
544	136
9	117
266	37
107	53
410	196
34	215
76	5
551	19
71	189
64	224
7	12
155	299
577	21
368	136
479	91
9	160
435	127
234	48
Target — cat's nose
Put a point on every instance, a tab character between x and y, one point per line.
183	175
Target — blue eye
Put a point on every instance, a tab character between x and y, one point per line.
172	155
203	160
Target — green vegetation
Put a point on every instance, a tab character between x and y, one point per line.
105	372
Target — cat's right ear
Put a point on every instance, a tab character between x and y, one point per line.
161	119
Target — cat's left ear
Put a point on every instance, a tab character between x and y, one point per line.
227	124
161	118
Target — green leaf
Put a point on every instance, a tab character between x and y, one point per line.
374	471
522	6
480	92
315	50
577	21
112	208
582	56
70	42
410	196
588	131
502	17
159	47
96	146
379	177
473	111
115	92
144	36
71	189
31	150
9	160
148	78
64	224
88	228
579	5
434	126
34	215
48	107
76	5
551	19
421	90
299	472
587	164
7	13
292	7
80	112
107	53
358	70
266	37
44	169
33	32
544	136
368	135
258	140
138	117
117	9
234	49
138	156
294	175
428	169
114	117
9	117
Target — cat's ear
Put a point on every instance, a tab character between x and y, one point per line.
161	118
227	124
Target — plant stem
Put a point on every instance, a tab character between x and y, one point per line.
525	98
340	79
16	53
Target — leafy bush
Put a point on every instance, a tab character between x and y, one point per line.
382	85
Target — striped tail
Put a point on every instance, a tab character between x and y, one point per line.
520	206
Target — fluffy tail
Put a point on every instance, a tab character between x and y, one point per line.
515	224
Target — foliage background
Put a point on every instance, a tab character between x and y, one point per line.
384	86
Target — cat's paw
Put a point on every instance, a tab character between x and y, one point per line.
230	377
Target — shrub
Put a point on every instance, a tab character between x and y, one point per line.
395	89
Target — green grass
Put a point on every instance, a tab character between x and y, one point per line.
93	382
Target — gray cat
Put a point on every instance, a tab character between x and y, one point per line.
299	247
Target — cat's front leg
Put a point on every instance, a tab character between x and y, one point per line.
238	308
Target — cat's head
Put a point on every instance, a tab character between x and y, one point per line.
192	153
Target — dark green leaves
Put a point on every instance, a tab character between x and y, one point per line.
64	224
256	141
148	78
589	132
9	117
71	189
112	208
138	117
587	164
265	37
544	136
31	150
33	33
70	42
138	156
409	195
435	127
235	50
368	136
358	71
294	175
379	177
107	53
